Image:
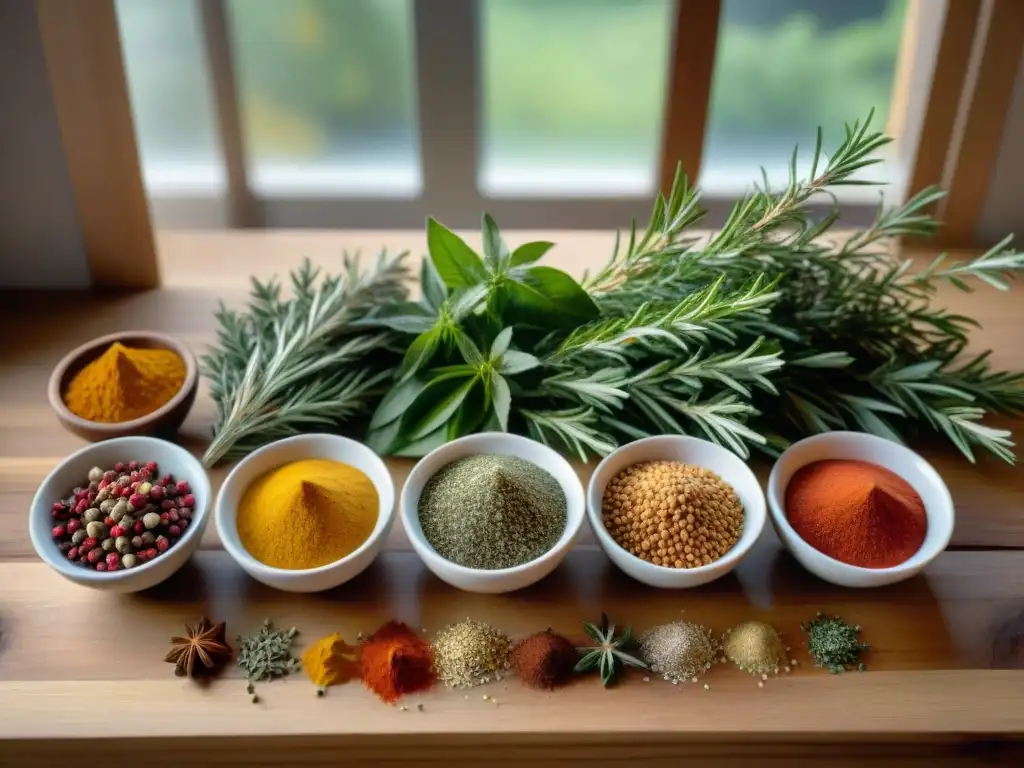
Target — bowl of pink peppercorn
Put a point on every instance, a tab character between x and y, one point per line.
121	515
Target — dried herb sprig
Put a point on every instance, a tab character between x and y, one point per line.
267	655
609	654
834	644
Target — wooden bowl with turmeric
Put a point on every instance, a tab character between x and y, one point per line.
127	383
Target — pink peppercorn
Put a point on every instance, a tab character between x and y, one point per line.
137	501
136	477
156	492
151	466
151	553
87	545
182	486
109	476
165	518
81	506
163	544
112	560
172	516
101	566
132	466
59	506
116	530
138	527
126	493
185	513
183	524
188	500
74	525
166	480
73	553
167	504
95	555
119	467
174	530
57	531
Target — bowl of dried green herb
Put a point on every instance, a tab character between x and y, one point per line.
492	512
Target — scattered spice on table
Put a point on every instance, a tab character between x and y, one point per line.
331	661
125	383
122	517
856	512
679	651
470	653
267	655
492	511
544	660
834	644
610	652
755	647
395	660
203	651
672	514
307	514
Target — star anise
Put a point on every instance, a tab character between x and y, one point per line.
202	652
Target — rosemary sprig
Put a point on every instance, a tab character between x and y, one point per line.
609	654
289	366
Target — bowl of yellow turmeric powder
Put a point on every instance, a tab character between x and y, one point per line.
128	383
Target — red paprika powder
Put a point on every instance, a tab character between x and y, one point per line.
856	512
395	660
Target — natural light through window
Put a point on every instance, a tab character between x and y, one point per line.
782	68
327	96
573	95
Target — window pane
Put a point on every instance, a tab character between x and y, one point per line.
573	95
172	103
784	67
326	93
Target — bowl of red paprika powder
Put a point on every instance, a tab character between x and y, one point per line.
858	510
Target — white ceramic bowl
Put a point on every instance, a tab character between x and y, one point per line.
904	462
501	579
689	450
285	451
171	459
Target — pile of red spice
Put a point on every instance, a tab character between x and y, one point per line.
856	512
545	660
395	661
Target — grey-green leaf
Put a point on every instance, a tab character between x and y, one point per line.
502	399
514	361
501	342
397	401
434	406
433	287
495	251
419	353
456	262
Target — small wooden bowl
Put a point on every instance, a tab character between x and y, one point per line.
165	419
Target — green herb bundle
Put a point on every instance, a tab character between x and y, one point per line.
773	328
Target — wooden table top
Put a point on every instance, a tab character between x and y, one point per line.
83	670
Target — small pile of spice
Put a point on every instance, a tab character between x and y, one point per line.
470	653
755	647
331	661
122	517
856	512
395	661
678	651
203	650
125	383
834	644
307	514
545	660
491	511
267	655
672	514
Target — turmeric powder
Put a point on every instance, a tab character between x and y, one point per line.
331	661
307	514
125	383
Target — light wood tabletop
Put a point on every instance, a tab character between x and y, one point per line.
81	672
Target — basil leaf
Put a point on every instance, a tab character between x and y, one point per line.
404	317
495	251
470	353
527	306
455	261
435	405
514	361
434	289
527	253
470	414
396	401
383	440
463	302
502	399
419	353
501	343
423	446
564	292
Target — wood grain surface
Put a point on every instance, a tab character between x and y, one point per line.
944	684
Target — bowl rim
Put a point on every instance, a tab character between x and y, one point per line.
728	560
56	396
426	550
792	539
63	565
238	552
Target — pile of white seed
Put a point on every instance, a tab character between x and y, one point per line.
679	651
